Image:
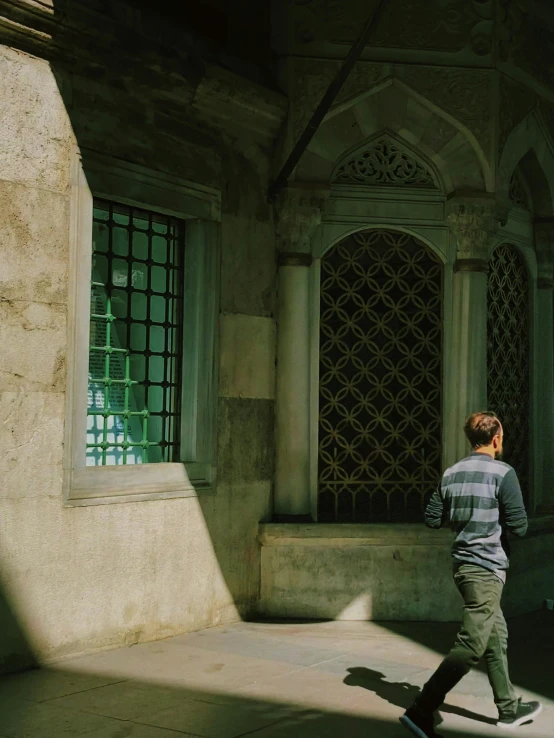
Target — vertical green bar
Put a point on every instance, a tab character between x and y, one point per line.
106	379
126	407
145	437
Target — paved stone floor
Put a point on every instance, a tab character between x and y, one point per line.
272	680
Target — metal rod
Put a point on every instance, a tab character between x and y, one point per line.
326	102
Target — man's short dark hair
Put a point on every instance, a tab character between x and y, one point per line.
481	428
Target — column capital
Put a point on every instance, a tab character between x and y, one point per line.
298	214
544	248
472	218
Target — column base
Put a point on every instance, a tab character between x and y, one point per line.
292	518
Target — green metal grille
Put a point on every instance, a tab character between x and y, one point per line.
135	337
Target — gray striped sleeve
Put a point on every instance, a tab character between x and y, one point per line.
434	511
512	510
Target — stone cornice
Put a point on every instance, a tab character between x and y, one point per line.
28	25
221	96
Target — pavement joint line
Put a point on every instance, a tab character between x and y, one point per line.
282	719
80	691
148	725
294	671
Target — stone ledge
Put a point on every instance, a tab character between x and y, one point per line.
368	534
386	572
352	534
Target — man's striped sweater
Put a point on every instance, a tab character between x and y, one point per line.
481	498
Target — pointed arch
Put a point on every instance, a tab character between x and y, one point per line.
394	107
519	191
529	148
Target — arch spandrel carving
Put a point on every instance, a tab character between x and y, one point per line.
419	125
519	192
385	162
527	147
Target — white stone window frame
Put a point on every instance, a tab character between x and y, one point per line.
98	175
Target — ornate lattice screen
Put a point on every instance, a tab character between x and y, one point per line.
380	378
387	164
508	355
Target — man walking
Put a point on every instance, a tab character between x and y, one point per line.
481	498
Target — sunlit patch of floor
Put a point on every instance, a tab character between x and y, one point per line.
271	680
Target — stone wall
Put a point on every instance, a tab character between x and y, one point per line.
458	84
387	572
74	579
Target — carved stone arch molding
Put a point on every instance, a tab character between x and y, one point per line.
417	123
386	161
528	153
434	238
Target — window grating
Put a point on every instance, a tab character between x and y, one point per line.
508	352
135	337
380	391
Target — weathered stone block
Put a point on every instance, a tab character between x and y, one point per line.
232	524
246	446
36	137
31	439
249	266
33	339
247	357
357	572
34	247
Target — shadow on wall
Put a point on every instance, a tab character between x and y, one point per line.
384	574
129	94
16	653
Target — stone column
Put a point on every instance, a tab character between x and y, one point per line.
544	367
298	214
471	221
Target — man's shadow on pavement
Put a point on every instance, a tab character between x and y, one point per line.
401	694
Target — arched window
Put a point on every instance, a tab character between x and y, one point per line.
380	378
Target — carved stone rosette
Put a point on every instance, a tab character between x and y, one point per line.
298	214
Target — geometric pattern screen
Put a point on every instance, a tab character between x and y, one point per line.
136	324
380	385
508	347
